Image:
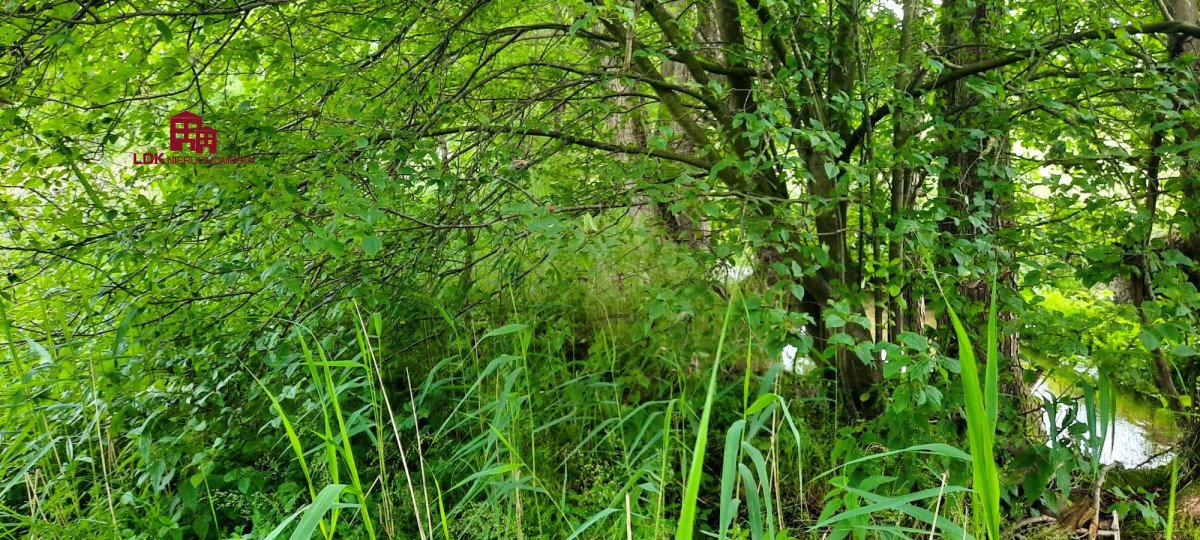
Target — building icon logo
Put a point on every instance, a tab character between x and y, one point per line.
188	131
196	142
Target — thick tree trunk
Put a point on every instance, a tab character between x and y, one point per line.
722	20
1188	244
965	28
901	313
855	377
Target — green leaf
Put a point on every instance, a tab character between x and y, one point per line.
762	402
937	449
1148	339
754	508
889	504
913	341
126	323
841	338
371	245
322	503
831	170
979	430
504	330
41	351
1184	350
691	493
163	28
592	521
733	442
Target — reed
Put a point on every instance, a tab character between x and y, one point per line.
981	402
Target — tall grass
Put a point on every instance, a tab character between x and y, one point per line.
336	425
337	451
1170	528
981	404
687	514
854	516
492	440
753	485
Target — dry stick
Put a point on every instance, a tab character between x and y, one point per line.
31	495
420	453
412	494
1096	501
937	508
628	519
57	457
112	511
773	457
520	509
39	479
385	504
1032	521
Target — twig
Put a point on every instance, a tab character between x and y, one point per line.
1155	456
937	508
420	453
1033	521
1092	531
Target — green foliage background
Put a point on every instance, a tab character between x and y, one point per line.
477	281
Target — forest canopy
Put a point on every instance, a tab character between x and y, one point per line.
599	269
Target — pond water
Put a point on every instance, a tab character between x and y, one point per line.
1141	436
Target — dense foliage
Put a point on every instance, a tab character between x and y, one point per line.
593	269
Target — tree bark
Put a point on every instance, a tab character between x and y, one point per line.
901	313
966	27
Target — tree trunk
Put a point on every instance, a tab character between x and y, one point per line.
1188	243
965	28
855	376
901	312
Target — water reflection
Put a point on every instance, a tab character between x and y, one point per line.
1141	436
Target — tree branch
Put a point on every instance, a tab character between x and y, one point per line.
577	141
947	77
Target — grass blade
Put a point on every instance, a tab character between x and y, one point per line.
691	494
753	505
979	427
320	505
733	440
592	521
991	381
